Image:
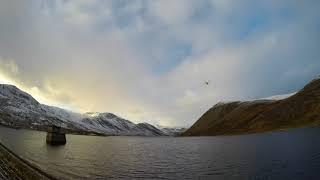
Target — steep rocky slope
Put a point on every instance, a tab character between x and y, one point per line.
20	110
300	109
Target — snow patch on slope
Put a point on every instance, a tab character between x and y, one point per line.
19	109
260	100
279	97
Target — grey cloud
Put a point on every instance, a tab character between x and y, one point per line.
101	55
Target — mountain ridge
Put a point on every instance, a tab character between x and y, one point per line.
299	109
19	109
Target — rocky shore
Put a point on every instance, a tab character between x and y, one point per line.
13	167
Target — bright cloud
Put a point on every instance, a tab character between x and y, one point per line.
148	60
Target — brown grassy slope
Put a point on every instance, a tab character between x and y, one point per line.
299	110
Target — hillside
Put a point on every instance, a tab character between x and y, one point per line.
20	110
300	109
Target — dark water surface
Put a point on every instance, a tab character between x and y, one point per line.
294	154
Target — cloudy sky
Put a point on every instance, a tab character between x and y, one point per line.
148	60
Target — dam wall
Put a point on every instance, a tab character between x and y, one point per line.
14	167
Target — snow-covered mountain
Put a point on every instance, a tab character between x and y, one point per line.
171	131
20	110
112	124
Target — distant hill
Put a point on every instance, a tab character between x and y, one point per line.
297	110
172	131
18	109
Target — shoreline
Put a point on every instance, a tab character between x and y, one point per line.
14	167
248	133
83	133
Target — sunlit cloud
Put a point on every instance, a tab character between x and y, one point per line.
146	62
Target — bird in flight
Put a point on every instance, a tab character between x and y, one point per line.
207	82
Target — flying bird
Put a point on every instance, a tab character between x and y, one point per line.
207	83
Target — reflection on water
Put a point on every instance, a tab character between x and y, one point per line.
283	155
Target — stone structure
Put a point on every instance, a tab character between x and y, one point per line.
56	136
14	167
